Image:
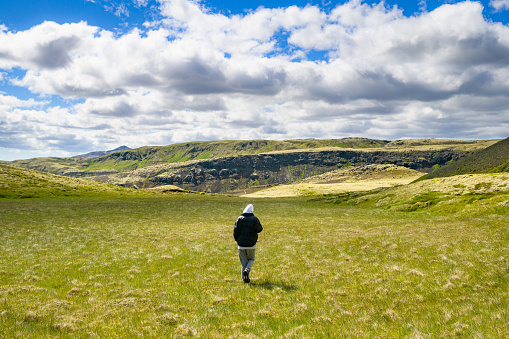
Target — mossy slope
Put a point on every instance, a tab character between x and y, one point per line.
24	183
476	194
493	159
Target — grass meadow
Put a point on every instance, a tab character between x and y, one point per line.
166	266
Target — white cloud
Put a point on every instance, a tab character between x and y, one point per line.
8	102
118	7
120	10
45	46
500	5
203	75
140	3
423	5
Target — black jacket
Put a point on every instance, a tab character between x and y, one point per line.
246	230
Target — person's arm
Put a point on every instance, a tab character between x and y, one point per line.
259	227
236	230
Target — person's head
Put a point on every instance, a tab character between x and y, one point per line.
248	209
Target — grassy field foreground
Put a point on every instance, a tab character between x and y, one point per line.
167	266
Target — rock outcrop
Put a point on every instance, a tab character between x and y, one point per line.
228	174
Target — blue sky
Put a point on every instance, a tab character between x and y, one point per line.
82	75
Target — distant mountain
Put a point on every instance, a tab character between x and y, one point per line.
493	159
97	154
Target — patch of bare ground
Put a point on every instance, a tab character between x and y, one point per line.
167	188
351	179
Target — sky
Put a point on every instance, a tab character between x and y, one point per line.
83	75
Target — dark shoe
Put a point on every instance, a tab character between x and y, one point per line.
245	276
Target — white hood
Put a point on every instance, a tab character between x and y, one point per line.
248	209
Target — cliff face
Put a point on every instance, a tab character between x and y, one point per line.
240	172
229	165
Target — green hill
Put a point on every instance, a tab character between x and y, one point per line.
24	183
467	194
201	150
129	160
230	165
133	159
493	159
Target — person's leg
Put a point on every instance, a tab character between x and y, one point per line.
250	255
243	260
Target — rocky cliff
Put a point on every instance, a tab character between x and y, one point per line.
229	174
230	165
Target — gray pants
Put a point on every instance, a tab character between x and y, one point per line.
247	258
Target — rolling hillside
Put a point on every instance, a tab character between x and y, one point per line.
226	166
18	182
493	159
467	193
349	179
129	160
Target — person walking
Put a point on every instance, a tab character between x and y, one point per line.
245	234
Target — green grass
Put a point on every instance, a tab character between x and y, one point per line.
493	159
167	266
114	164
18	182
466	195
